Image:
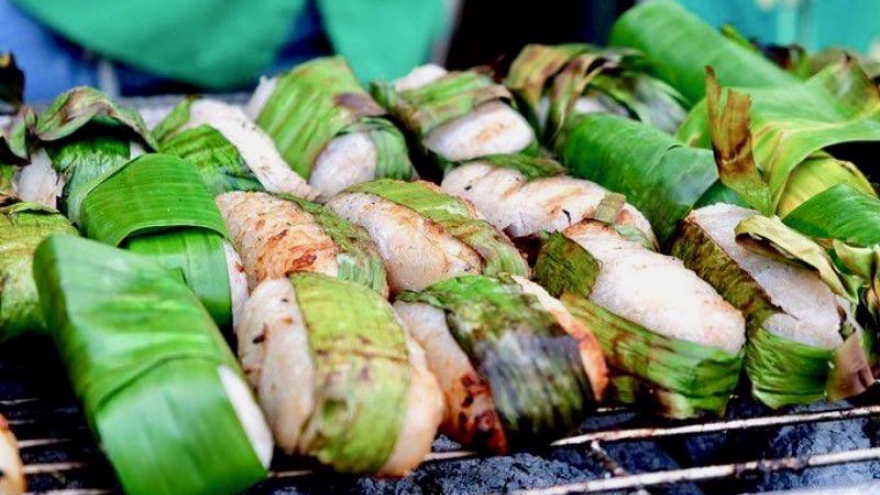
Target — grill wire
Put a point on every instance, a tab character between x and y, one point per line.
618	451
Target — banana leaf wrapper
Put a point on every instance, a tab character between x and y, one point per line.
847	223
361	373
87	136
143	356
795	128
659	175
321	100
218	161
564	73
358	259
533	367
531	167
452	215
158	206
673	377
456	94
782	371
22	227
687	45
72	110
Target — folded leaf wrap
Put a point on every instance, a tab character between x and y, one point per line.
145	358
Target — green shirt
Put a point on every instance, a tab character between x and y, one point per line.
226	43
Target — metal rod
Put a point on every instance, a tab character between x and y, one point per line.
719	426
708	472
41	442
72	492
614	409
293	473
18	402
31	469
611	465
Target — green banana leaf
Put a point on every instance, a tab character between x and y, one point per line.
676	378
427	107
840	213
531	167
7	188
665	179
392	153
847	223
453	216
11	84
679	45
83	105
219	162
22	227
361	373
795	126
781	371
84	160
662	177
87	136
456	94
151	193
157	205
320	100
673	377
144	358
176	118
817	173
120	201
564	73
200	256
358	258
515	345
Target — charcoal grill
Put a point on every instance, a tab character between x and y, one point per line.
617	451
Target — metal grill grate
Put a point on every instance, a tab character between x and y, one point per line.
617	451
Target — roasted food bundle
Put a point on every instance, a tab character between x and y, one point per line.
343	274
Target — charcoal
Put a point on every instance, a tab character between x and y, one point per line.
473	476
644	457
806	440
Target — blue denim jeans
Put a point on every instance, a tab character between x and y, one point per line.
52	64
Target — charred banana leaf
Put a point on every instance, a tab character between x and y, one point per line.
554	82
543	370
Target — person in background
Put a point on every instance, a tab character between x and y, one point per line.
516	23
812	24
144	47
